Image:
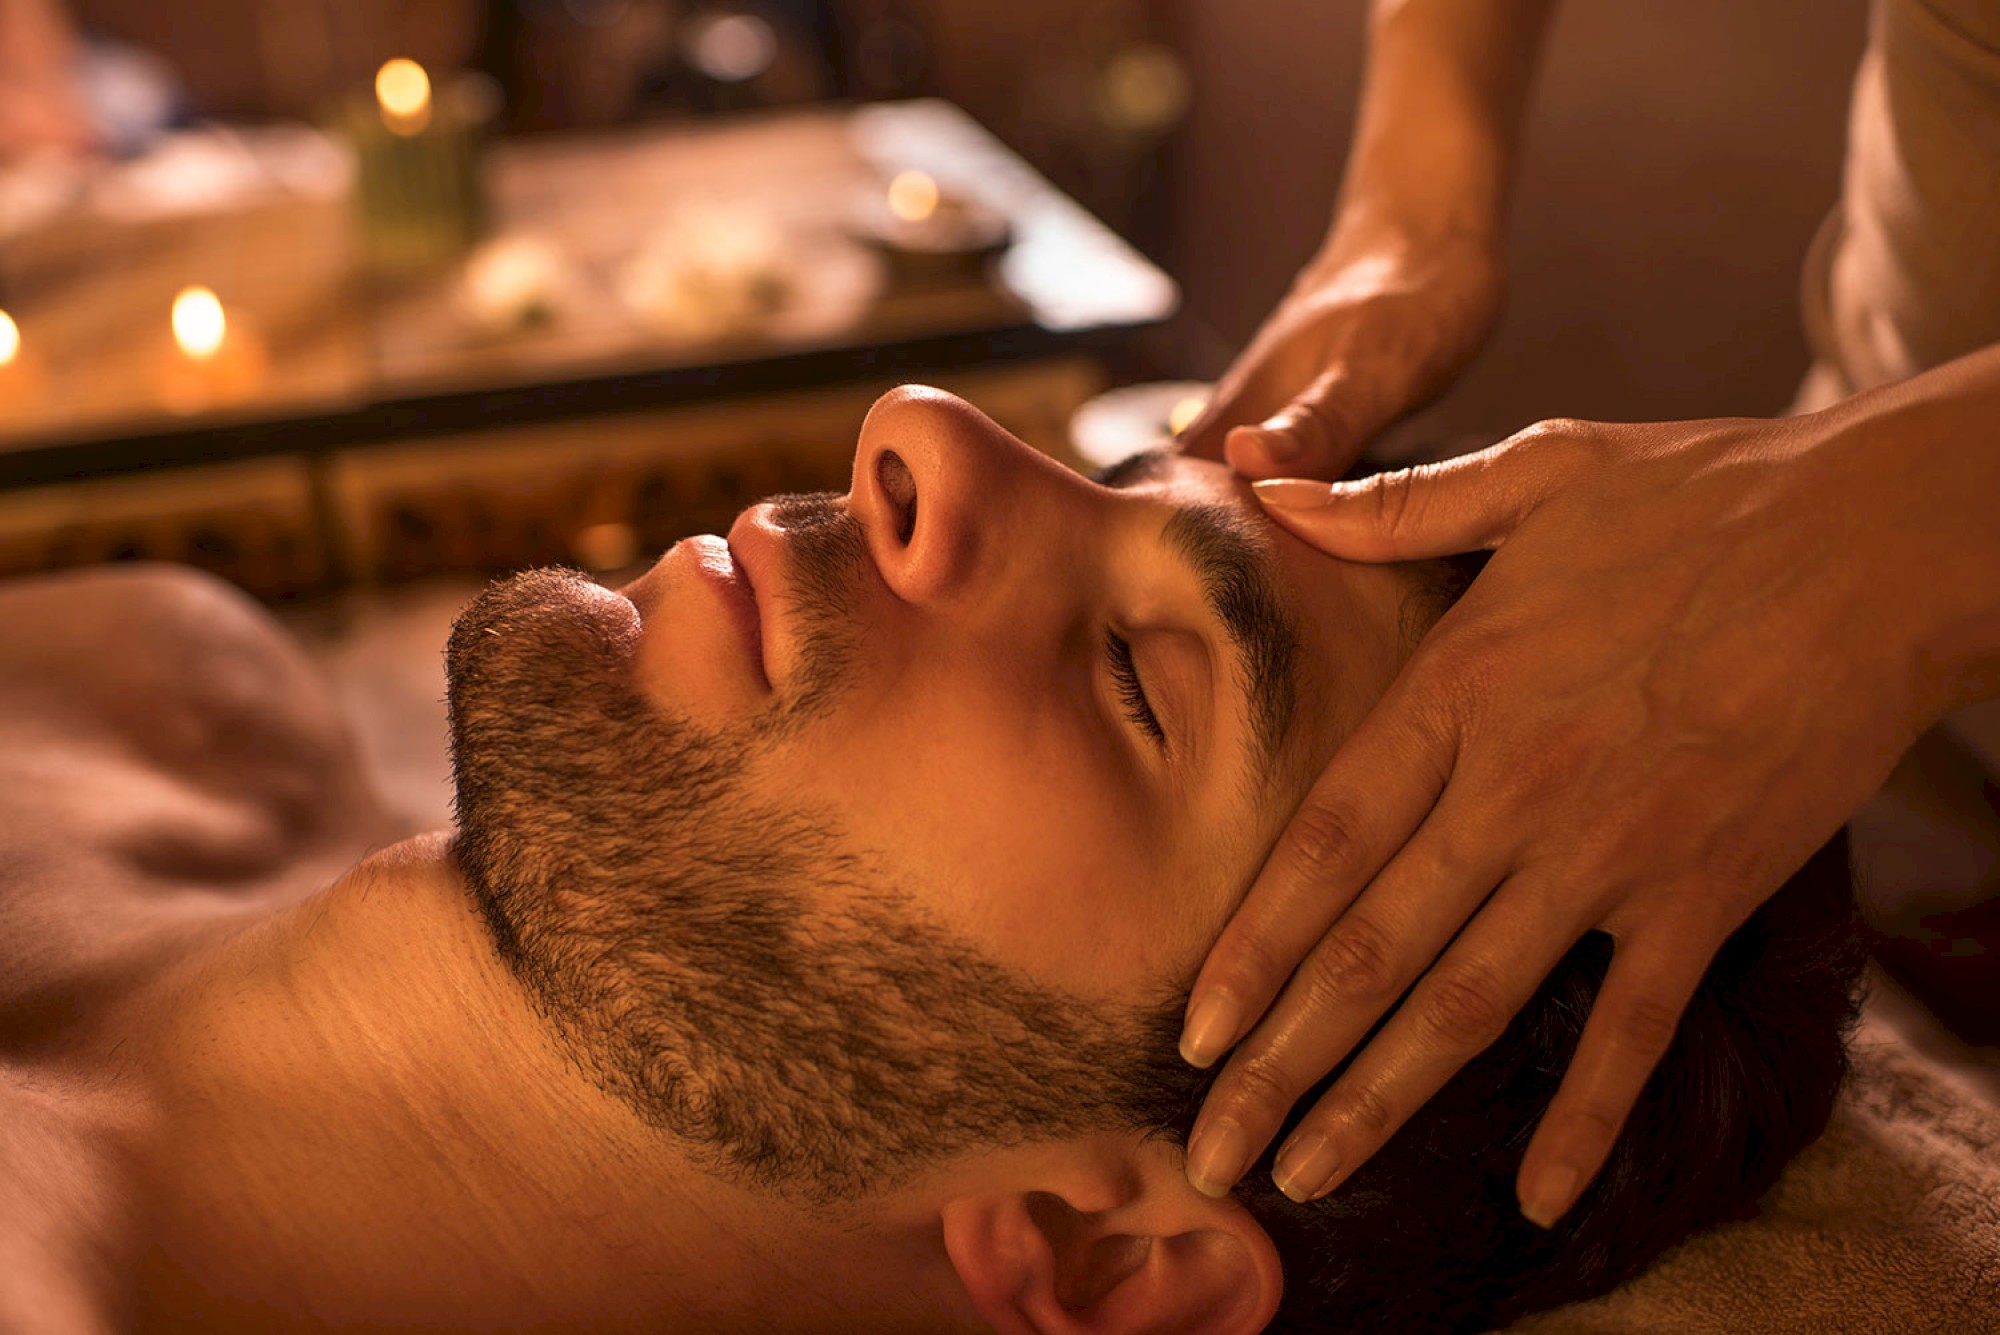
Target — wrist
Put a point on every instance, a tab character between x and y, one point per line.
1367	251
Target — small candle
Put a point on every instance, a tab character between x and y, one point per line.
199	324
403	91
418	189
928	231
210	363
20	372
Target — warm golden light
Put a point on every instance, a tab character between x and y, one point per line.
10	339
404	91
1183	414
913	196
605	546
199	324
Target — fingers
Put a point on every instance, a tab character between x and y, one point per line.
1249	391
1632	1022
1462	1004
1376	791
1348	980
1463	504
1320	432
1228	407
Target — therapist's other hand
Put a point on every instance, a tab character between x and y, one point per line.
1369	331
1696	650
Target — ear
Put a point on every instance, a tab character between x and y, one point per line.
1101	1249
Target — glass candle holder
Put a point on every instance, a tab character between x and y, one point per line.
419	191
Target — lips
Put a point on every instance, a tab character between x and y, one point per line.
716	563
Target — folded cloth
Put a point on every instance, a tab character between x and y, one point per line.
1889	1222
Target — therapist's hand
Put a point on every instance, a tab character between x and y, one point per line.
1696	650
1370	330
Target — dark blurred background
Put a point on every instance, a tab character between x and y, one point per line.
1678	157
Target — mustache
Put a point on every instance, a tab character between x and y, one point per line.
829	550
828	557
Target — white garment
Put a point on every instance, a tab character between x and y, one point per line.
1906	273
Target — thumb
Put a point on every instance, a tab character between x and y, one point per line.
1319	433
1408	514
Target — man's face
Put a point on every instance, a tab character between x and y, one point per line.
892	826
1067	719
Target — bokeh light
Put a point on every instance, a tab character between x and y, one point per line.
1183	414
732	48
404	91
913	196
199	324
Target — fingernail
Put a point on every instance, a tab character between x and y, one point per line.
1548	1194
1217	1158
1210	1029
1306	1167
1293	493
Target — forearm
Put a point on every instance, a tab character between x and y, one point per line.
1930	446
35	39
1440	115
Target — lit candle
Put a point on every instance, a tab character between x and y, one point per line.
418	189
199	324
930	232
20	372
211	363
403	91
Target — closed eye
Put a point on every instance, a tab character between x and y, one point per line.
1131	694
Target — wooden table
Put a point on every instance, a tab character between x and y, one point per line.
391	437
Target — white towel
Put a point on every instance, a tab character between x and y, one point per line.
1889	1222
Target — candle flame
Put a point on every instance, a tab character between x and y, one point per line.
913	196
1183	414
10	339
404	91
198	322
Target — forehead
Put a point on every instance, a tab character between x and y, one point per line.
1350	616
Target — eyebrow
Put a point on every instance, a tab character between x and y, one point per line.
1134	469
1226	552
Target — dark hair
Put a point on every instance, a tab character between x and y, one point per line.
1427	1236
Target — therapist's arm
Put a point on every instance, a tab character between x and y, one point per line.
1408	281
40	108
1697	649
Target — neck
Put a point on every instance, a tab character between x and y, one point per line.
364	1122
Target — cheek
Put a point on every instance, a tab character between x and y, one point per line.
1019	837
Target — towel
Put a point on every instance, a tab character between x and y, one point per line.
1890	1221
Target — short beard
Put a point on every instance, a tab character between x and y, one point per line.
733	971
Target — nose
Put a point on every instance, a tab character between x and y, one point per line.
938	486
